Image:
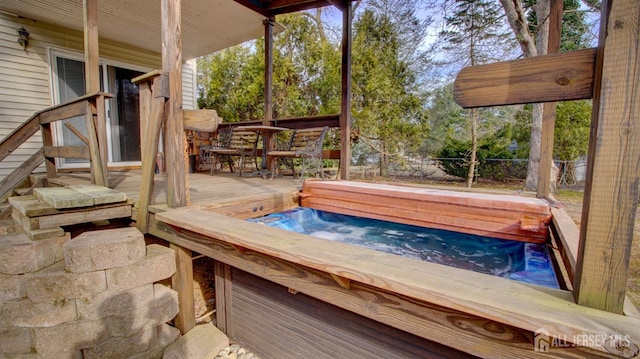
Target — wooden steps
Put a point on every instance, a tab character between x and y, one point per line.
42	215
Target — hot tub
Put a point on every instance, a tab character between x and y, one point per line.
292	294
517	260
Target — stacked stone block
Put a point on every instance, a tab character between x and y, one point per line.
90	297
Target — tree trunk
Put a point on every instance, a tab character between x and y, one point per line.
384	161
518	22
474	147
530	48
531	183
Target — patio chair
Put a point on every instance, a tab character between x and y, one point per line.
242	144
305	144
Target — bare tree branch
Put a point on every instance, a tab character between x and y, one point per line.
518	22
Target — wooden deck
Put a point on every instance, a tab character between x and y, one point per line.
203	188
345	277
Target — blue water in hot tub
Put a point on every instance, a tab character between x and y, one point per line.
525	262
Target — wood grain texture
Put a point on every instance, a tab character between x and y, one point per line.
100	123
222	275
19	135
91	45
345	92
275	323
568	236
182	282
549	108
106	212
47	140
174	131
67	151
499	216
95	154
77	132
153	124
201	120
496	299
254	205
20	173
73	109
480	335
611	189
556	77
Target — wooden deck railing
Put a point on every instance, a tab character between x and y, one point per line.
294	123
92	107
154	93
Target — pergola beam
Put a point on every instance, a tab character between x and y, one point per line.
345	108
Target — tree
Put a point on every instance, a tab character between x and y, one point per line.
228	84
531	29
472	34
387	107
446	119
571	135
306	74
306	68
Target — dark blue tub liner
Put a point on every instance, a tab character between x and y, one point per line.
524	262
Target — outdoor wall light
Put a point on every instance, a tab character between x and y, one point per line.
23	38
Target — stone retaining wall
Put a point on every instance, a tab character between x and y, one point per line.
90	297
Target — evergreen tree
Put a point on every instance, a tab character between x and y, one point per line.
306	75
387	108
228	84
473	35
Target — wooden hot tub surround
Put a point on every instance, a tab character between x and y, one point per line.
471	312
511	217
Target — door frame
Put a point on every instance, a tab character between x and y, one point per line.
55	52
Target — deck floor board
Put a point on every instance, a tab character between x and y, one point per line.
204	189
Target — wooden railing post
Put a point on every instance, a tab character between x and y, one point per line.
175	137
345	108
611	189
152	102
97	173
47	140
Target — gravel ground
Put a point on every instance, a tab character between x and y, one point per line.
235	351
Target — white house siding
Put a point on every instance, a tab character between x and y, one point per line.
189	99
25	78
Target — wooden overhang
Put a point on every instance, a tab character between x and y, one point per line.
207	26
271	8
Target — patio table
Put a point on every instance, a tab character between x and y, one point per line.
263	130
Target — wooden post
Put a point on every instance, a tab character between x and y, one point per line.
222	273
174	132
611	191
152	103
268	141
91	46
100	124
182	282
97	172
47	141
549	108
345	108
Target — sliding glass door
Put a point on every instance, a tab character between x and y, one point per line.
123	124
124	116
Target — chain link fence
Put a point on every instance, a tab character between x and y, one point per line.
571	174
